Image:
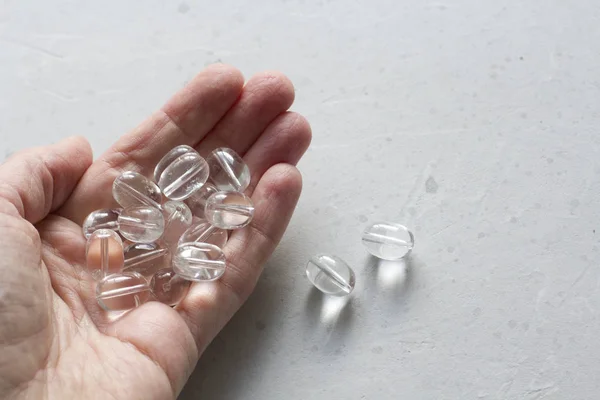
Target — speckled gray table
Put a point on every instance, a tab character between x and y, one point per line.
473	122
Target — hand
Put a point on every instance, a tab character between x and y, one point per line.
55	342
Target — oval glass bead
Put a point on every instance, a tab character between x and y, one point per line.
124	291
141	224
199	262
168	158
101	219
331	275
227	170
388	241
146	258
178	219
168	287
229	210
203	232
104	253
131	189
183	176
197	201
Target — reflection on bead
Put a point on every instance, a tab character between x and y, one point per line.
204	232
197	201
168	287
141	224
122	291
227	170
132	189
182	176
199	261
388	241
146	258
229	210
178	219
101	219
104	253
330	274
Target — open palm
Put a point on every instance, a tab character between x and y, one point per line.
55	342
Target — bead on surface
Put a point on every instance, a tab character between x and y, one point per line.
182	176
204	232
197	201
388	241
229	210
131	189
199	262
178	219
168	287
330	274
145	258
123	291
104	253
101	219
142	224
227	170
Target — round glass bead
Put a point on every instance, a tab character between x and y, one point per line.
183	175
101	219
227	170
104	253
199	262
168	158
122	291
331	275
168	287
143	224
204	232
229	210
388	241
197	201
146	258
131	189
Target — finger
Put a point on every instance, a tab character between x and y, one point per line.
284	141
265	96
37	181
207	307
185	119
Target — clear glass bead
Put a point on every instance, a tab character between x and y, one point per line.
101	219
388	241
104	253
168	158
227	170
178	219
197	201
168	287
146	258
183	175
199	262
124	291
131	189
204	232
143	224
229	210
331	275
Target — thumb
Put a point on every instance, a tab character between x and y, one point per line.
37	181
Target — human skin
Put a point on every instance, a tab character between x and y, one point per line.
55	341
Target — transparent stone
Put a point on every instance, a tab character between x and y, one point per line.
168	287
229	210
199	262
227	170
183	175
197	201
146	258
204	232
168	159
388	241
330	274
178	219
104	253
122	291
101	219
143	224
131	189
